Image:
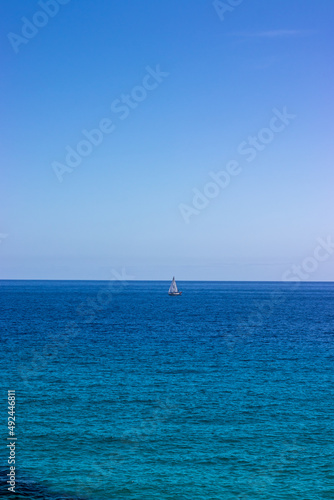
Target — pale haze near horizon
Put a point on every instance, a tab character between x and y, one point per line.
120	207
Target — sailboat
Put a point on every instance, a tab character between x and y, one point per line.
173	288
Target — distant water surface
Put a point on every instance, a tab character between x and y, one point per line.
124	392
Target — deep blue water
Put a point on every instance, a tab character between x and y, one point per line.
124	392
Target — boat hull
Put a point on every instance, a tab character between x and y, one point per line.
174	294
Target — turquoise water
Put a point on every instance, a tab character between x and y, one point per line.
123	392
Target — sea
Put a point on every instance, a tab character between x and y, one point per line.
123	392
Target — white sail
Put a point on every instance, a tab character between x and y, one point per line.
173	287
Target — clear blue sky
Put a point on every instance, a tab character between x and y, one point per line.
120	207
